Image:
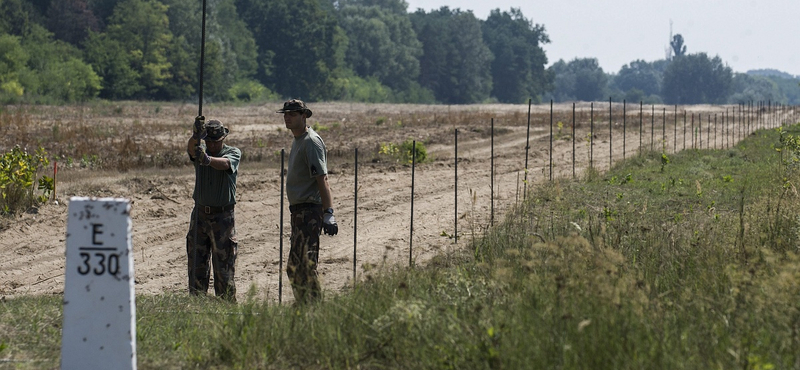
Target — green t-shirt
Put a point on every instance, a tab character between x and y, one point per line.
217	188
307	160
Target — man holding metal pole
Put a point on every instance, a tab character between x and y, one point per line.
212	232
310	202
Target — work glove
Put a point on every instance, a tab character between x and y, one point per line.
199	129
329	223
201	157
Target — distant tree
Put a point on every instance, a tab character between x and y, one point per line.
230	55
382	42
456	63
16	16
581	79
71	20
639	75
518	67
678	48
301	43
113	63
789	87
239	49
55	71
696	79
13	67
103	10
391	6
131	55
754	88
769	73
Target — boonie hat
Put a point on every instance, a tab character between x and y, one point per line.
215	131
295	105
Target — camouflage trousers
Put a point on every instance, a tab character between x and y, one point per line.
212	237
306	222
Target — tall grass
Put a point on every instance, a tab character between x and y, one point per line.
685	263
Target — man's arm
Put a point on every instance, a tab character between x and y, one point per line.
329	225
217	163
190	147
324	191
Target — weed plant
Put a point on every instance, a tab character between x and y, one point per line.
690	263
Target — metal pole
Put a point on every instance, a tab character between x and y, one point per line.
675	131
411	229
527	147
202	59
355	217
491	177
551	140
455	227
280	236
700	130
624	123
573	140
652	126
610	135
640	126
664	130
591	136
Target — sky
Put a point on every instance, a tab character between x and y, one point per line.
745	34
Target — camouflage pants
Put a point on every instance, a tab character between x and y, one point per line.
304	254
212	237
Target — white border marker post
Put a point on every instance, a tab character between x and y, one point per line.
99	303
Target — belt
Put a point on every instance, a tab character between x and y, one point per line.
209	209
296	207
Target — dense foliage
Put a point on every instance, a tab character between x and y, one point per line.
56	51
683	78
362	50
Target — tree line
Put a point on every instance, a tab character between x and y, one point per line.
55	51
679	78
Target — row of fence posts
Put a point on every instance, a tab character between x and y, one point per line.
745	123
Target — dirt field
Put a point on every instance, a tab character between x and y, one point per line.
33	243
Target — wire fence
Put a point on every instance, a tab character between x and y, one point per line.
723	126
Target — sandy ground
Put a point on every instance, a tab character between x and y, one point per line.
33	244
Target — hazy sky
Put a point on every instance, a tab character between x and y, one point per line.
745	34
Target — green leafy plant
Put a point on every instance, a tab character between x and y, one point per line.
664	161
19	182
403	152
418	150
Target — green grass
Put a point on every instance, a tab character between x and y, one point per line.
688	262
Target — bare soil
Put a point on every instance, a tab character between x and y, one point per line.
33	242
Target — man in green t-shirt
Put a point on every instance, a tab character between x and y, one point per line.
212	232
310	202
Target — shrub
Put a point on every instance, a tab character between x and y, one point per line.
251	91
408	148
402	153
18	176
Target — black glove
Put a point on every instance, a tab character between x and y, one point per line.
199	129
201	156
329	223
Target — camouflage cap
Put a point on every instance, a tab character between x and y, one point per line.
215	130
295	105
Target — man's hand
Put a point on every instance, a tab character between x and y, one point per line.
199	129
329	223
201	156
